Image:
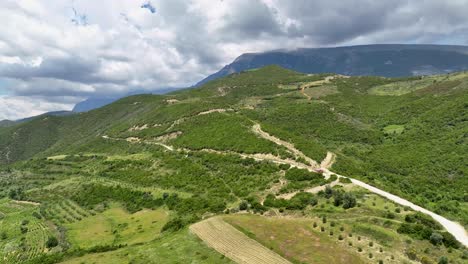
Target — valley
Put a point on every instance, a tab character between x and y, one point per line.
259	154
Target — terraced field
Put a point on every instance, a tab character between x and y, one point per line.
65	211
234	244
23	235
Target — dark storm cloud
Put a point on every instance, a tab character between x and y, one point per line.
70	69
250	20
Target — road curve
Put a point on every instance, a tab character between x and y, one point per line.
453	228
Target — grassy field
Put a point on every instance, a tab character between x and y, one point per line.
325	233
180	247
116	226
294	239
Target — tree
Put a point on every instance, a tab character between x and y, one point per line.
443	260
338	198
52	242
436	238
243	206
349	201
328	192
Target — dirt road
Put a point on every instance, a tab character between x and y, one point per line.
454	228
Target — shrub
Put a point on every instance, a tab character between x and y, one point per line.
443	260
243	206
324	220
51	242
328	192
173	225
340	237
23	229
349	201
315	224
390	215
371	244
295	174
436	239
370	255
411	253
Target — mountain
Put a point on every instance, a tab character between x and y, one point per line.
250	162
97	102
388	60
7	123
93	103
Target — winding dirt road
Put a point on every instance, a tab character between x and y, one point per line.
454	228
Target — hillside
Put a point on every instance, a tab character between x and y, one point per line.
124	182
390	60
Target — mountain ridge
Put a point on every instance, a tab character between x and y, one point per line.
388	60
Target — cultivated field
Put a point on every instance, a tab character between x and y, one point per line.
234	244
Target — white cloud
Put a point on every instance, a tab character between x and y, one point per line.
16	107
121	47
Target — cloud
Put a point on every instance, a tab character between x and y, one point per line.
17	107
76	49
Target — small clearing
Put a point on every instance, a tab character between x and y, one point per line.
316	84
169	136
26	202
223	90
138	128
232	243
172	101
313	190
394	129
133	139
214	111
328	161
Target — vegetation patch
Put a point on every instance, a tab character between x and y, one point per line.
394	129
116	226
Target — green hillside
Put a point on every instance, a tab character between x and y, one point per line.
117	182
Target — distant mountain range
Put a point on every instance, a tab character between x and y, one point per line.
87	105
97	102
388	60
7	123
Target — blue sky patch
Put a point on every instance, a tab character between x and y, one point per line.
149	6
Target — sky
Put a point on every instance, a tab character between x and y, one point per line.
56	53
